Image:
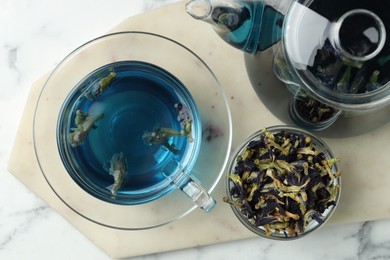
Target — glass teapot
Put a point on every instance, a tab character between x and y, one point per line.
333	53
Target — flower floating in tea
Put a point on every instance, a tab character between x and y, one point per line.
84	123
98	88
117	168
282	182
160	135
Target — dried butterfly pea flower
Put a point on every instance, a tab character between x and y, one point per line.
99	87
372	83
312	110
283	195
161	135
84	123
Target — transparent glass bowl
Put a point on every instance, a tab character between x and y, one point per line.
261	230
174	58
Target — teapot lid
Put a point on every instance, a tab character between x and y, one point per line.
340	50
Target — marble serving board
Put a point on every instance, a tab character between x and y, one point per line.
257	100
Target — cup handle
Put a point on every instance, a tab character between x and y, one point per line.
198	194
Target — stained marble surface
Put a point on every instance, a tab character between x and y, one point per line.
35	36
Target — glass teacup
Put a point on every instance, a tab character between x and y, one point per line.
123	131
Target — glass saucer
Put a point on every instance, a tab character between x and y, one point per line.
169	55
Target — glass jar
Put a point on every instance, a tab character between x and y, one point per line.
240	204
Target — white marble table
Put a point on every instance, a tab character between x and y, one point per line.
35	36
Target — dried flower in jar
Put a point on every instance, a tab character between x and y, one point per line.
281	182
313	110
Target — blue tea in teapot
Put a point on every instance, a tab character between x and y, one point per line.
250	26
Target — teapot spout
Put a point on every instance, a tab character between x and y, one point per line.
250	26
199	9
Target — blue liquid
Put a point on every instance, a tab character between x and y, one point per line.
252	27
140	97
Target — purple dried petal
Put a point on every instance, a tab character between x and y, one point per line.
270	206
261	221
317	217
256	144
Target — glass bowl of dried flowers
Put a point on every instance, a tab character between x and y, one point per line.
283	182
